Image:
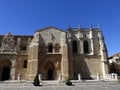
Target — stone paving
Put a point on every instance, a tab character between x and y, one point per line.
62	86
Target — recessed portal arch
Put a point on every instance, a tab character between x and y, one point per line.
5	73
5	69
50	71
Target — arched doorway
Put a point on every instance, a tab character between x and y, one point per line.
5	69
50	74
5	73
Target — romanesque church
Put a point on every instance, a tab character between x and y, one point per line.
52	52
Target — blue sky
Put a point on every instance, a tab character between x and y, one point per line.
24	17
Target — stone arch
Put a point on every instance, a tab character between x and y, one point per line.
50	70
5	73
23	47
50	61
5	69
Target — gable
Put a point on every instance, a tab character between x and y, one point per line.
50	35
49	28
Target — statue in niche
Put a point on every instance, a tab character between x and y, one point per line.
8	43
52	37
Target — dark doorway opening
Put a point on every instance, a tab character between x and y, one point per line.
50	48
5	73
50	74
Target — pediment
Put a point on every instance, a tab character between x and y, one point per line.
50	34
49	28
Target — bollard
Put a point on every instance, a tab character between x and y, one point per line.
79	77
98	77
60	77
116	76
40	77
19	76
112	76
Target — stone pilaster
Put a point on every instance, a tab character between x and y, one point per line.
64	62
32	69
81	46
91	41
104	59
18	44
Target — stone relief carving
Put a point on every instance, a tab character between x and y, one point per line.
8	43
51	35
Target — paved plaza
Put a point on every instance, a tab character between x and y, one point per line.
62	86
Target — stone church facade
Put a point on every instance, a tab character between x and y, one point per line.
52	52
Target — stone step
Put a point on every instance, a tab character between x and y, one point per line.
50	82
54	82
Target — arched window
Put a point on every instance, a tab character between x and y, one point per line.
86	47
57	47
50	48
74	46
25	64
23	47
